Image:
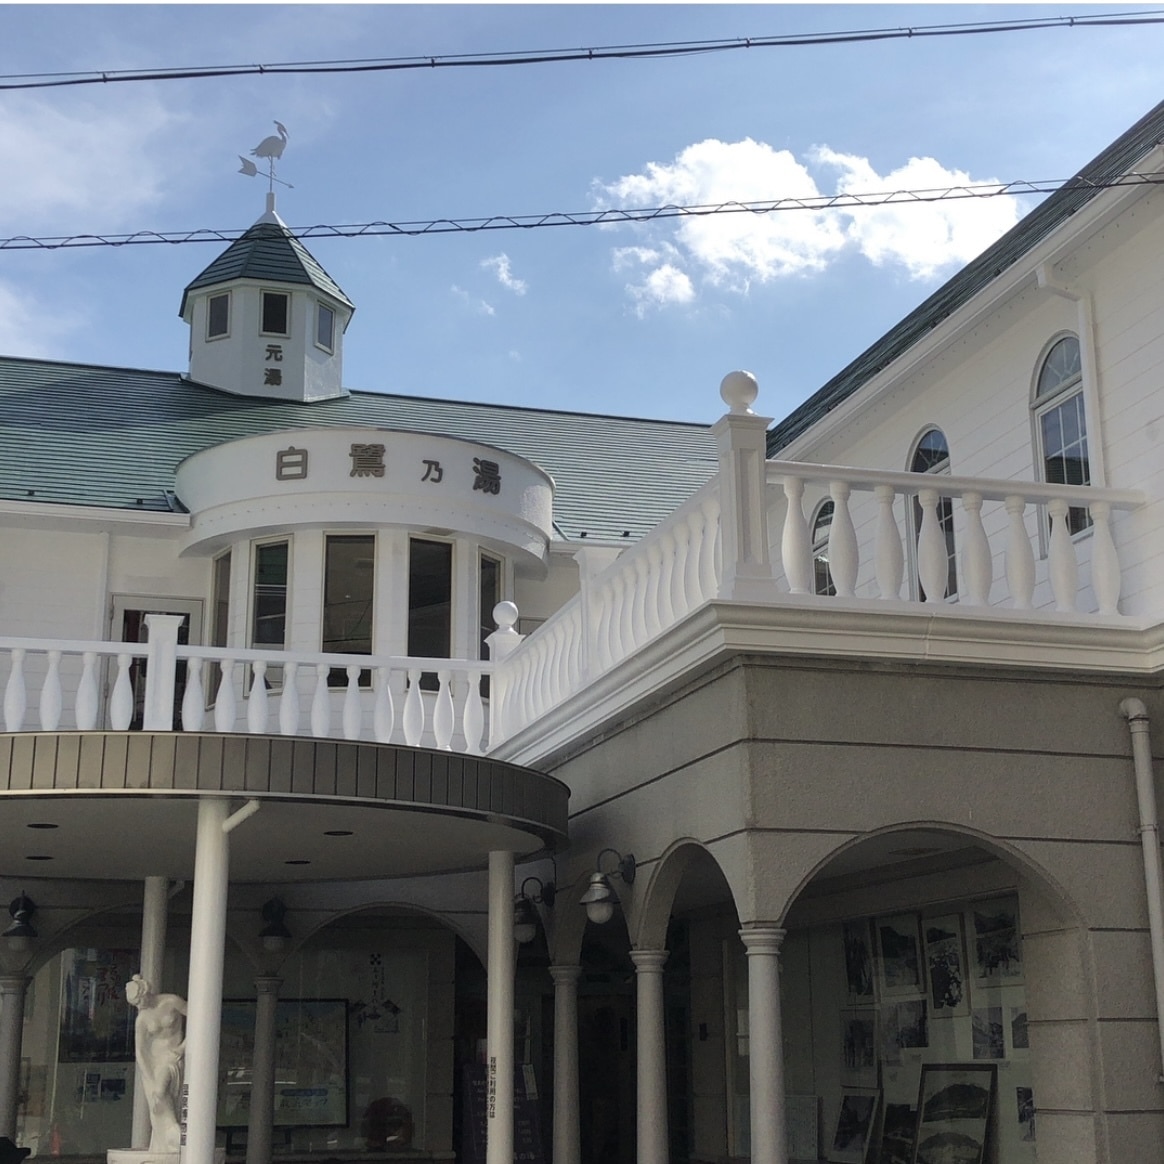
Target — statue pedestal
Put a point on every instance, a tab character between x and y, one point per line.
145	1156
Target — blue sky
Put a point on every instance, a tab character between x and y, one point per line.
631	320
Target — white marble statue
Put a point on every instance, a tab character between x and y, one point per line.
160	1043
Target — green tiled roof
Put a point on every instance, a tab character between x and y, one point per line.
1118	158
268	252
81	435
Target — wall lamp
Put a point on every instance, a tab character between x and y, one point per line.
600	898
20	933
525	919
274	935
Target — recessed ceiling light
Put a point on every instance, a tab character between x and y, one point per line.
338	833
42	824
38	857
297	861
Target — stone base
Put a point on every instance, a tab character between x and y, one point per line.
145	1156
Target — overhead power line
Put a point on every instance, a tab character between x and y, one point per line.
50	80
843	201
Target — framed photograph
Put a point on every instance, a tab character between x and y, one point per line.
1020	1042
858	942
998	959
988	1034
946	966
899	946
904	1026
1025	1102
859	1047
954	1106
311	1062
855	1123
898	1128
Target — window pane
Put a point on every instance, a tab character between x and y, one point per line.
430	594
1061	368
821	575
217	316
270	608
490	596
348	578
325	327
221	601
274	313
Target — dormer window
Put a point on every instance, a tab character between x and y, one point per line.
325	327
218	316
276	311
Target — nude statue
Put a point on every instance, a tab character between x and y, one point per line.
160	1043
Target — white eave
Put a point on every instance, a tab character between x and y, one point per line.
92	519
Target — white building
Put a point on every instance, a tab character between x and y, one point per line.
304	687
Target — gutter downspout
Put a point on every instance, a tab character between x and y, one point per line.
1134	711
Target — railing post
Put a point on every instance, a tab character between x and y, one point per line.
592	560
502	643
741	438
162	662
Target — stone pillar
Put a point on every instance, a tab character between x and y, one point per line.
567	1142
261	1123
13	989
153	953
500	1000
765	1044
651	1074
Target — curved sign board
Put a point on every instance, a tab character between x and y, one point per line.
364	478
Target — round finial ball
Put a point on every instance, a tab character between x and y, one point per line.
505	615
738	390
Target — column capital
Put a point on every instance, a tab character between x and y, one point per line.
649	961
13	983
565	975
267	984
762	938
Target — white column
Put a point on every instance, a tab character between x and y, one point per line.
262	1112
500	1000
153	953
158	715
204	993
765	1044
13	988
567	1142
651	1073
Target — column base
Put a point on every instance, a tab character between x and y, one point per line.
145	1156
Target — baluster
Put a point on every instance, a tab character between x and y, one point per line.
842	542
224	710
474	715
87	701
15	695
977	564
653	608
289	701
680	537
1105	563
194	697
636	576
383	711
1061	558
1020	558
610	620
692	590
670	569
574	675
257	709
413	710
623	604
710	564
933	565
50	694
442	716
121	701
890	560
321	703
535	679
353	713
795	544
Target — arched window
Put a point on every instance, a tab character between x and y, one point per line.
931	454
1060	423
822	578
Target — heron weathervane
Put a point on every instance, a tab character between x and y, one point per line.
271	148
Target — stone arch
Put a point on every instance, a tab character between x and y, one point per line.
648	925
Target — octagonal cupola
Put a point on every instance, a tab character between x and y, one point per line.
266	319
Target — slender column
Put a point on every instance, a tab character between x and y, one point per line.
153	952
163	660
765	1044
13	988
501	957
567	1143
204	993
261	1122
651	1101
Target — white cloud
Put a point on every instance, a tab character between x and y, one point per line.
28	328
474	304
94	168
734	250
499	265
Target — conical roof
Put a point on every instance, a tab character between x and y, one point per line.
270	253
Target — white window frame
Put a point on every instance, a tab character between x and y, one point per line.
321	307
253	581
1041	406
222	334
286	295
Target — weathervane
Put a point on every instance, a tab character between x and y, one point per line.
272	149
